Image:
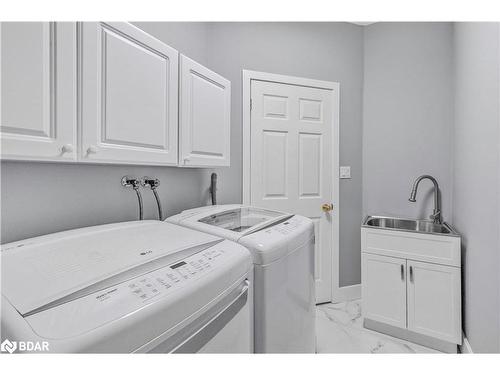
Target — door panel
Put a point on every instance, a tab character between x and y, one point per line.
38	86
434	301
275	106
205	117
291	157
311	110
310	154
275	170
130	91
384	289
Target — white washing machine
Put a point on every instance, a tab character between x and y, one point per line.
144	286
282	248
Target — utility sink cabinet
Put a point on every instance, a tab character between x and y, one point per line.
411	286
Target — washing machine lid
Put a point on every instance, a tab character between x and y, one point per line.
241	219
230	221
47	271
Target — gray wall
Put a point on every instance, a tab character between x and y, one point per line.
41	198
476	189
407	116
189	38
326	51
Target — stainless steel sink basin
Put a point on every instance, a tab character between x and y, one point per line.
408	225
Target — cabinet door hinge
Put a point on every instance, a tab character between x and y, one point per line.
251	104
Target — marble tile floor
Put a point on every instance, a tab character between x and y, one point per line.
339	329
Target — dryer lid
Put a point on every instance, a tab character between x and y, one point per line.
52	269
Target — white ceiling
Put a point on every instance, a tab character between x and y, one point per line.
362	23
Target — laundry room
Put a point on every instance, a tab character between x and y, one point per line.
249	186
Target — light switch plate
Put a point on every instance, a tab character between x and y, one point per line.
345	172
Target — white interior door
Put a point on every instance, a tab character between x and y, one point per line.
291	161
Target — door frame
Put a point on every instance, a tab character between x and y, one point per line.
248	76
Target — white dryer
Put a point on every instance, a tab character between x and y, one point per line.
282	248
144	286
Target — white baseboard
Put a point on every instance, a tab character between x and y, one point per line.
465	348
348	293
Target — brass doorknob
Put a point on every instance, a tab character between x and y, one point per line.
327	207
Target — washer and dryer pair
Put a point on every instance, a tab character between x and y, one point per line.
282	249
240	280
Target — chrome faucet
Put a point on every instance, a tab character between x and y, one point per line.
436	214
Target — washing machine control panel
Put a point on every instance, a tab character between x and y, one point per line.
170	277
94	310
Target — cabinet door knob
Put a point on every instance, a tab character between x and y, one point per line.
67	148
402	272
411	274
92	150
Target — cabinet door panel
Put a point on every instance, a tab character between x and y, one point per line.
384	289
434	301
205	116
38	90
129	96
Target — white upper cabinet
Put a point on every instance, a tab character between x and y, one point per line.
38	90
107	92
129	96
205	116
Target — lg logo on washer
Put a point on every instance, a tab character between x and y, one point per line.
24	346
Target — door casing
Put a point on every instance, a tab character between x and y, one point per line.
248	76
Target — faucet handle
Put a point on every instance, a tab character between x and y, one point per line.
436	217
151	182
128	181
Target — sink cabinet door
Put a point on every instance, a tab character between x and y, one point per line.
434	301
384	289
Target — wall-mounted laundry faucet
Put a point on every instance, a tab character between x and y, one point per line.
153	183
146	181
134	183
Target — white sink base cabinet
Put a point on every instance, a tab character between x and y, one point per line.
411	286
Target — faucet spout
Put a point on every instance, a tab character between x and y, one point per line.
436	214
